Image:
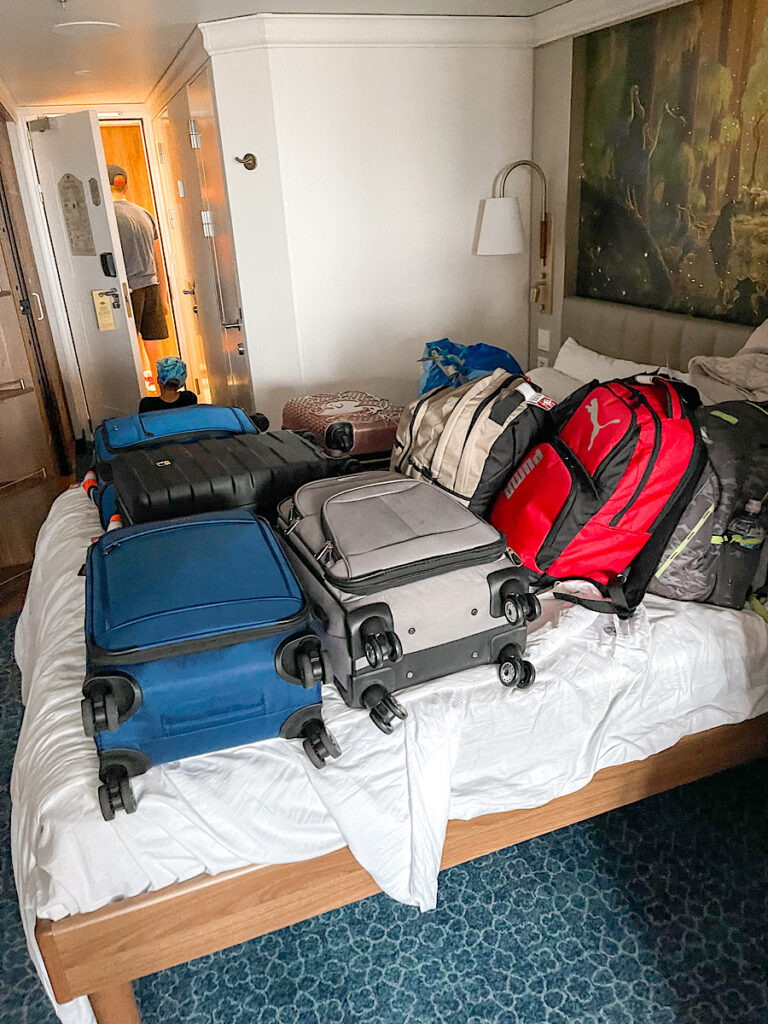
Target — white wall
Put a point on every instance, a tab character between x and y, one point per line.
553	66
354	235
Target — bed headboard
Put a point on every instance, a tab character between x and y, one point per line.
648	335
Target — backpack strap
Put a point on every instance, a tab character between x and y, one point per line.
615	604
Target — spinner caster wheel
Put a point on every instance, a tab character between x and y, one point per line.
116	794
510	665
385	711
534	608
515	609
528	677
319	744
374	652
395	647
99	713
313	667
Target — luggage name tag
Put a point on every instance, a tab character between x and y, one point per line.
534	397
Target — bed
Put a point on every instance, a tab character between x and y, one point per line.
198	869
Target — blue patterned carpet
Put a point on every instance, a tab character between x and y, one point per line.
653	914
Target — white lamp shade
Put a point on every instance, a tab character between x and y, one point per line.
501	227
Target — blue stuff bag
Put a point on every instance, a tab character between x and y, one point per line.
444	363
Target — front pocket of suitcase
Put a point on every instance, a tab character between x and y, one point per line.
173	726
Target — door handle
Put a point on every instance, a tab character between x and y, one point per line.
114	294
241	348
187	291
233	327
39	307
16	385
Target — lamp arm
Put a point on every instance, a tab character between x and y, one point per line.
505	173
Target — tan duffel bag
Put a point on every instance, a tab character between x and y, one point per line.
467	440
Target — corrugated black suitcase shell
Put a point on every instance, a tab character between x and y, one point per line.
255	471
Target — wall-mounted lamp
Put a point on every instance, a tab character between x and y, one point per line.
501	230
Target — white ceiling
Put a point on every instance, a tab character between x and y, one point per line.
38	67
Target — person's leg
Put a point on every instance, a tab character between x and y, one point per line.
153	325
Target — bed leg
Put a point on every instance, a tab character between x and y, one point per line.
115	1005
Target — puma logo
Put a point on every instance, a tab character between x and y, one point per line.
592	409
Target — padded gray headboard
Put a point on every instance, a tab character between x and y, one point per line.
647	335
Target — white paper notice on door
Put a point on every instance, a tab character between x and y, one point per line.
76	219
103	305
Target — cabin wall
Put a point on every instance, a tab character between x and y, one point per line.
354	235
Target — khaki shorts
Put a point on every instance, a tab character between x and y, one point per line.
149	314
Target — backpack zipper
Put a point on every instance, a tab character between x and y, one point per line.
651	461
417	408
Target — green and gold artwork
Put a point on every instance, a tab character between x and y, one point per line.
674	176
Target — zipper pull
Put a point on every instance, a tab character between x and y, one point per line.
325	554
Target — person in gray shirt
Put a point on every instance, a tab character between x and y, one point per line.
143	265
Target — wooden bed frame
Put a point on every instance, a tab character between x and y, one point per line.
99	954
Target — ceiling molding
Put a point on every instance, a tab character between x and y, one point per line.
182	68
580	16
340	30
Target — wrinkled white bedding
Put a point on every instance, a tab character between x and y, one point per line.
607	692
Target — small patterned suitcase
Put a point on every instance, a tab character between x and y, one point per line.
350	422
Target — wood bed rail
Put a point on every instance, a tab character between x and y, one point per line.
100	953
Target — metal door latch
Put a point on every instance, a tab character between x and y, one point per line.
114	294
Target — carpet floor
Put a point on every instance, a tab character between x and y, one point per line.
652	914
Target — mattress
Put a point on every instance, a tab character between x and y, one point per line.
607	692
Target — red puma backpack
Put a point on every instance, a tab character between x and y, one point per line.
599	498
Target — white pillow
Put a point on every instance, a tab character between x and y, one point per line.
553	383
584	364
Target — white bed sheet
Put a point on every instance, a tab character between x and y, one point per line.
607	692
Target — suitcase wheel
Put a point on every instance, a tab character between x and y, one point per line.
319	744
116	794
314	667
379	643
99	712
374	652
339	437
534	607
516	609
513	670
383	708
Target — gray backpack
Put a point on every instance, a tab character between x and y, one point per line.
714	553
466	440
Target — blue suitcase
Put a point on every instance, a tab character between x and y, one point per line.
163	426
198	638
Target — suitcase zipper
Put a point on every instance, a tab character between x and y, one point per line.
139	655
373	582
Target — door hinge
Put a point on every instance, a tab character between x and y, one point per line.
40	124
207	219
194	134
160	153
171	218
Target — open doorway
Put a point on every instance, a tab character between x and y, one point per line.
125	145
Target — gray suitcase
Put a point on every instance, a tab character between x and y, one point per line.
408	584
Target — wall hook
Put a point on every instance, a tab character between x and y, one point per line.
248	161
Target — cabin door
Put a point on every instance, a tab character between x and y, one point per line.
73	177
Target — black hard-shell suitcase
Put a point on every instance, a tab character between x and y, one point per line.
249	470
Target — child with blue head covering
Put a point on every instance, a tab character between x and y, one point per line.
171	377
